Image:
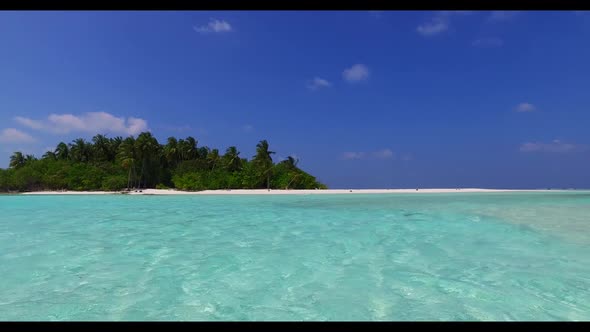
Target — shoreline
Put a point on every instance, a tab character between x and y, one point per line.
288	192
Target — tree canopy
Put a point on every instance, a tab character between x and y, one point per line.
141	162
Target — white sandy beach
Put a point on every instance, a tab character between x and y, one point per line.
282	192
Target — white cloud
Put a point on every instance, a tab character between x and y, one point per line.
383	154
214	25
92	122
407	158
488	42
353	155
356	73
318	83
380	154
525	107
433	27
12	135
502	15
29	123
556	146
440	22
247	128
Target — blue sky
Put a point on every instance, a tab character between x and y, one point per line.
363	99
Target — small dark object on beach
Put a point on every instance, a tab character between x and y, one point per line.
416	189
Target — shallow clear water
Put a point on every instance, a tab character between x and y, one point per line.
460	256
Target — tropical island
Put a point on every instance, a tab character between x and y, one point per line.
115	164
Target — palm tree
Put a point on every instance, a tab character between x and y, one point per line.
186	148
148	150
191	144
80	150
263	160
49	155
171	151
29	159
202	152
100	148
291	162
17	160
180	147
262	152
213	158
191	151
232	159
62	151
127	157
113	147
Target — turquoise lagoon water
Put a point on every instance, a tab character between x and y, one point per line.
459	256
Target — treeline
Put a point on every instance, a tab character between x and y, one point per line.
116	163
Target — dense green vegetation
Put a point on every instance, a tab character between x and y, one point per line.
142	162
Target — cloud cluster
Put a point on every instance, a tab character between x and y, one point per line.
318	83
433	27
353	155
439	23
383	154
380	154
12	135
356	73
92	122
525	107
556	146
214	26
